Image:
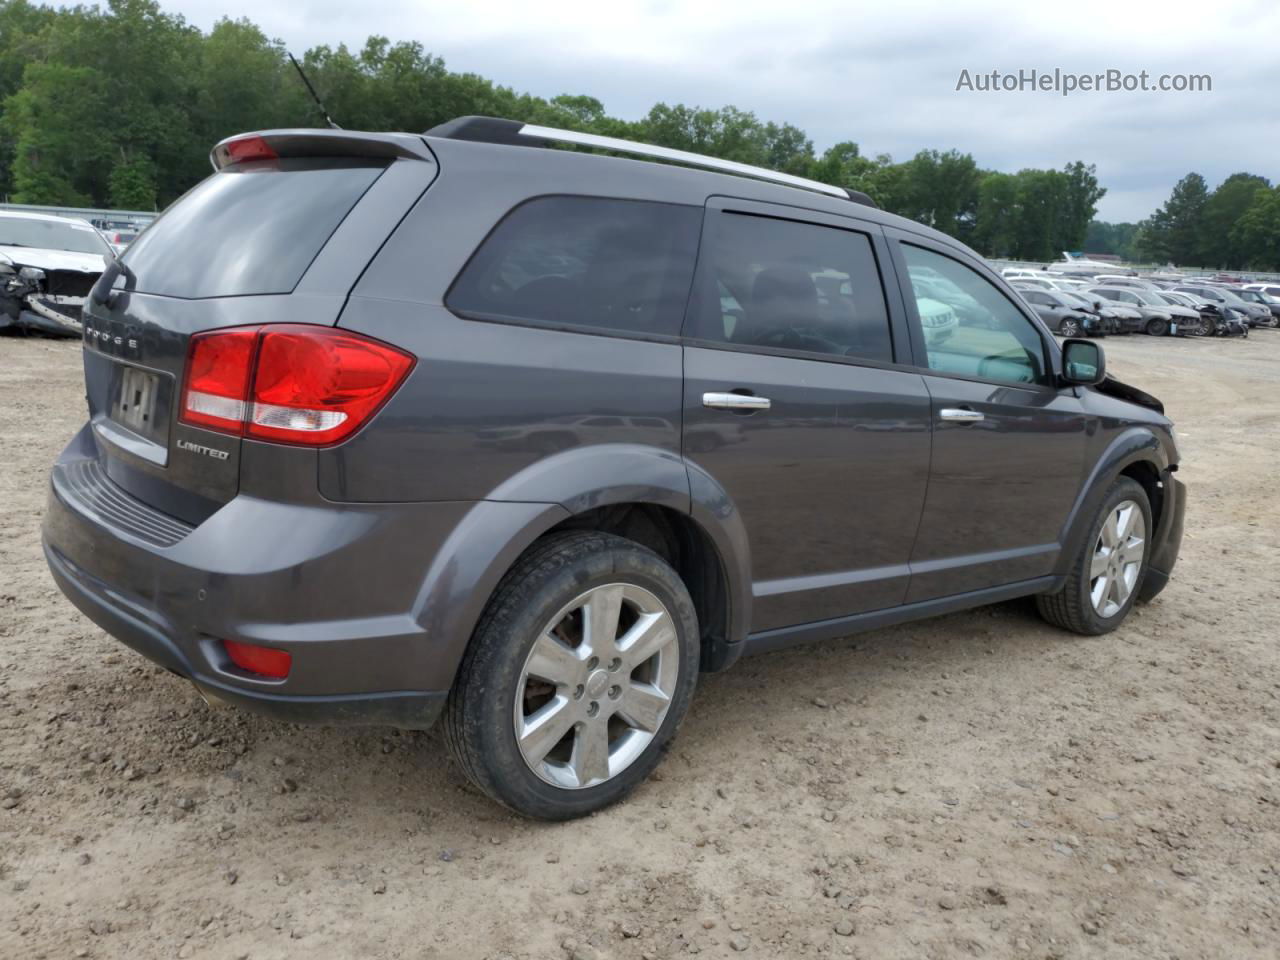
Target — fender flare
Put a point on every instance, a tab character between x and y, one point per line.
1136	444
497	530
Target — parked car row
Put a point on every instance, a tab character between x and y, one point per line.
1157	305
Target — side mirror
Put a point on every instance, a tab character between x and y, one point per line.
1083	362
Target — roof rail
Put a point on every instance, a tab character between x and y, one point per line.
515	133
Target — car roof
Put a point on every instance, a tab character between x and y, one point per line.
627	178
24	215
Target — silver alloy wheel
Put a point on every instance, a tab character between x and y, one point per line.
596	686
1117	558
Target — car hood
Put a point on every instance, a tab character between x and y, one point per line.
54	259
1182	312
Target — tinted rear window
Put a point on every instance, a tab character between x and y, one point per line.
618	265
250	229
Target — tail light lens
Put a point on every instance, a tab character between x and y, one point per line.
289	383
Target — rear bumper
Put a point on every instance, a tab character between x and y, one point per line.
137	628
1168	538
339	586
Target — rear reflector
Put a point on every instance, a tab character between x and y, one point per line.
289	383
266	661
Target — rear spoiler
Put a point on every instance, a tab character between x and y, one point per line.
272	144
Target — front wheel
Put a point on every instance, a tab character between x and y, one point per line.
1069	328
1106	574
577	677
1157	327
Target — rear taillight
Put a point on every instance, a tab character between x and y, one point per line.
289	383
217	385
265	661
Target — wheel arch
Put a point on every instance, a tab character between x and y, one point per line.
1136	453
649	495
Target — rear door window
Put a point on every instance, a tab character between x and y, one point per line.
602	264
789	286
253	228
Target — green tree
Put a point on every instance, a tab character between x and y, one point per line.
1080	203
1258	230
1222	211
941	191
1113	238
133	185
61	138
1175	232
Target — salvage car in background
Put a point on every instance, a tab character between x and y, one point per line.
1157	316
1063	317
1127	316
1261	299
1221	297
48	265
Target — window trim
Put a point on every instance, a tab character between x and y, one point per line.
1050	354
481	316
881	259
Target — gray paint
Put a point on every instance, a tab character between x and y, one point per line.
845	506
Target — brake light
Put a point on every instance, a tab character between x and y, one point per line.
217	383
265	661
248	148
289	383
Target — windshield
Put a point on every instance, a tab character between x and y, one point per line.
1074	299
51	235
1150	299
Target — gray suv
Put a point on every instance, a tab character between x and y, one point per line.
390	428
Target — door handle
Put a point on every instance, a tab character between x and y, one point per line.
959	415
735	401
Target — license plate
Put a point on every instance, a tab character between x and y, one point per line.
135	407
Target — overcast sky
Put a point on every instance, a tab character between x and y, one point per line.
883	76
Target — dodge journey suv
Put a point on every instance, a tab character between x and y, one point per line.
484	427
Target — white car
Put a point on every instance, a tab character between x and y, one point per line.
938	319
48	265
1015	273
1271	289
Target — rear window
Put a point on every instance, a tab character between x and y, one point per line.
249	229
622	266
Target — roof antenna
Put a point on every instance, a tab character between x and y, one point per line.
314	96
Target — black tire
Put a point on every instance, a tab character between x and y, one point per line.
478	721
1071	608
1070	327
1157	327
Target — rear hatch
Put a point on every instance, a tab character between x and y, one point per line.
278	234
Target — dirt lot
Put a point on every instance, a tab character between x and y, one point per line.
978	785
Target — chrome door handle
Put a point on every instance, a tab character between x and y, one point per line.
959	415
735	401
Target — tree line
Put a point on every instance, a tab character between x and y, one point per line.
119	106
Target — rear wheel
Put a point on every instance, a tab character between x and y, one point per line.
577	677
1157	327
1106	574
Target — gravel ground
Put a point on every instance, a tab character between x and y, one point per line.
976	785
